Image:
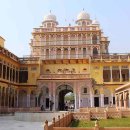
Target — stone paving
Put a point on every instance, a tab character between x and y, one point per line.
9	123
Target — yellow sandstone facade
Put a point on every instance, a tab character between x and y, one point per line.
63	59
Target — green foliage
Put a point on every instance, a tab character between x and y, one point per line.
69	97
118	122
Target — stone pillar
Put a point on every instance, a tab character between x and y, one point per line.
69	49
62	52
8	97
4	97
111	79
76	49
112	95
9	72
15	76
125	103
14	98
0	95
120	101
116	100
120	74
6	71
2	71
91	39
28	98
11	97
54	96
68	39
92	99
129	73
129	98
17	98
102	100
75	97
79	98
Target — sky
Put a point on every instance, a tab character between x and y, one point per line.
19	17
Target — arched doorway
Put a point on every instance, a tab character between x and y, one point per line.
43	97
62	90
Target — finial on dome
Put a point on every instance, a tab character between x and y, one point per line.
50	11
83	9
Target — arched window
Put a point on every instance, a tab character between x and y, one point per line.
95	51
94	39
48	25
85	90
47	53
83	23
47	90
84	52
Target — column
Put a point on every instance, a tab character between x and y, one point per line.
17	98
111	79
69	49
54	97
2	70
14	97
75	96
120	100
6	71
62	37
76	49
9	72
120	74
91	42
129	98
112	95
14	74
62	52
97	39
116	100
79	98
8	96
129	73
92	99
102	100
28	98
0	95
68	40
11	97
4	97
49	54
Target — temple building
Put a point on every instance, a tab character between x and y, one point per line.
63	59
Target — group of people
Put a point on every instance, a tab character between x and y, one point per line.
51	106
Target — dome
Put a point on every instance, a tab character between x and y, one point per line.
83	15
95	22
50	17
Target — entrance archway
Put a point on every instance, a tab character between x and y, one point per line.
62	90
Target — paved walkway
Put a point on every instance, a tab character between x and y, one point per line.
8	123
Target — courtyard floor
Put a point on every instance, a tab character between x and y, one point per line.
9	123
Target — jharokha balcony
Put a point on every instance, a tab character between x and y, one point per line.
64	76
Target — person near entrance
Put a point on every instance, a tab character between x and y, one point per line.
51	105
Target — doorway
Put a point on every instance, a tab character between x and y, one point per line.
63	102
96	101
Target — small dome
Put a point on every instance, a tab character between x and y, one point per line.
50	17
95	22
83	16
